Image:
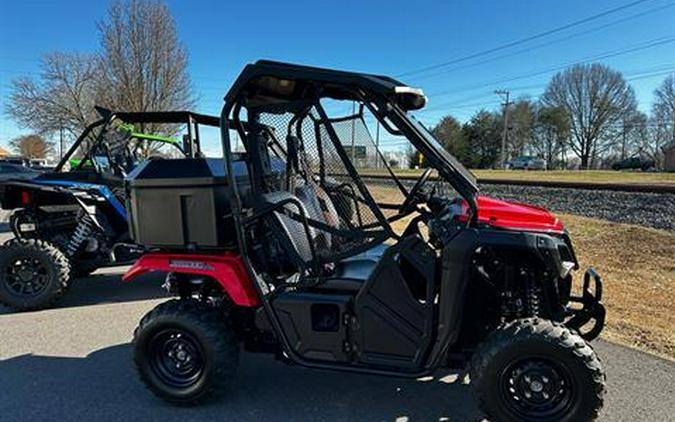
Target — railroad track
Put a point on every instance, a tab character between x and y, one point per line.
619	187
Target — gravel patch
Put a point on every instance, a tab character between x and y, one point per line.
655	210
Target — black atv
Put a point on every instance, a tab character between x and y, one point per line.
69	222
327	267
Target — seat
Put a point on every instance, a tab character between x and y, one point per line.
307	194
293	235
349	274
352	272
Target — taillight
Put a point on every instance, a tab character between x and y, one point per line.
25	198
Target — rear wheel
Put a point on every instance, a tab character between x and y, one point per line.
185	351
534	370
33	274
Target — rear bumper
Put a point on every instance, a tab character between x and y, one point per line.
587	315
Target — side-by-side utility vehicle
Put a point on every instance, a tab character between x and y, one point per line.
73	220
295	245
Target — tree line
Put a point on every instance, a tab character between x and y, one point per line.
140	66
586	118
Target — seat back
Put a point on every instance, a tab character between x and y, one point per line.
292	234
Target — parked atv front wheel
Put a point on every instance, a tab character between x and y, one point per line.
185	351
534	370
33	274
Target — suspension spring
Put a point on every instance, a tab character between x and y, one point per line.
82	232
533	298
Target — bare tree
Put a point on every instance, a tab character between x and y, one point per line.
62	98
31	146
141	67
663	108
633	134
144	66
595	98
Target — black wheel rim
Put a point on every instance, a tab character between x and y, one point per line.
176	358
537	389
26	276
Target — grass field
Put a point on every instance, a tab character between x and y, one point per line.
638	267
588	176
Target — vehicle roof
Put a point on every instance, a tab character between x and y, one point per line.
182	116
277	81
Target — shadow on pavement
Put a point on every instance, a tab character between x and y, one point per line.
103	386
108	288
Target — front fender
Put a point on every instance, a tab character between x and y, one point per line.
227	269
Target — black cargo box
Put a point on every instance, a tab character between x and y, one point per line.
182	203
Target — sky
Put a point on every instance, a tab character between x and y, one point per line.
396	38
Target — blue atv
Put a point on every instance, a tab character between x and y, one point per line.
72	221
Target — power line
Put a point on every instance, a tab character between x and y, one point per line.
453	106
631	75
544	44
526	39
643	46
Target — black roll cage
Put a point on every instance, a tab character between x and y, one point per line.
190	119
387	98
384	101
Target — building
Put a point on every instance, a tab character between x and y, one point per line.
669	157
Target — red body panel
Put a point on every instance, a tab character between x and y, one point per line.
227	268
513	215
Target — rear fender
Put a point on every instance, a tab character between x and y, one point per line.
227	269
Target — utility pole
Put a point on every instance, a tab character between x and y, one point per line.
61	141
503	93
377	145
623	139
353	130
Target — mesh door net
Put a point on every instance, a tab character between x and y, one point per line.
322	159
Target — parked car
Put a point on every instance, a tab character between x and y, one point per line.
16	171
15	159
527	163
634	163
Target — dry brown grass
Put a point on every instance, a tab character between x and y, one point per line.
638	266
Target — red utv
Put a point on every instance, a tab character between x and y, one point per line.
295	245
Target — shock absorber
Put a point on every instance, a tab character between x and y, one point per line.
82	232
533	293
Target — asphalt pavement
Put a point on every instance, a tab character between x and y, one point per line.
73	363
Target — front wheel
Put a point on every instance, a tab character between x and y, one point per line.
185	351
535	370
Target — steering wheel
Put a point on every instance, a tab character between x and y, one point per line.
410	202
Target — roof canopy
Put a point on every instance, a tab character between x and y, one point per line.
267	82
